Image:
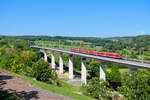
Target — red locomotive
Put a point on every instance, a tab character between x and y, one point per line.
100	53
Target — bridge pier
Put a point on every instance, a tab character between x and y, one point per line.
102	71
132	70
52	59
70	67
83	71
45	55
60	63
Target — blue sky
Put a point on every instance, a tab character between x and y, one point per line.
96	18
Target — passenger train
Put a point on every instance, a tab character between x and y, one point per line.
99	53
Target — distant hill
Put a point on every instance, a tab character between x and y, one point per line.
136	42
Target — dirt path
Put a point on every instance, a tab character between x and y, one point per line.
26	90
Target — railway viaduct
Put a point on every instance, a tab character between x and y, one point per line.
132	65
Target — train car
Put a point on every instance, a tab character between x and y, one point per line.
74	50
118	55
92	52
100	53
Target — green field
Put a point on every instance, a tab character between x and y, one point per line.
60	44
122	70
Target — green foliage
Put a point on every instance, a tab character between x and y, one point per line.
77	62
114	75
98	89
4	95
12	62
42	72
17	68
4	42
126	45
94	68
136	86
21	44
65	90
146	57
2	51
28	57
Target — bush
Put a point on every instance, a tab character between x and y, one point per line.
28	71
12	62
17	68
7	61
5	95
136	86
42	72
98	89
28	57
77	62
114	75
94	68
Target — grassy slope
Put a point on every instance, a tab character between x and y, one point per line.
66	89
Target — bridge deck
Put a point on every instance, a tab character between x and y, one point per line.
105	59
